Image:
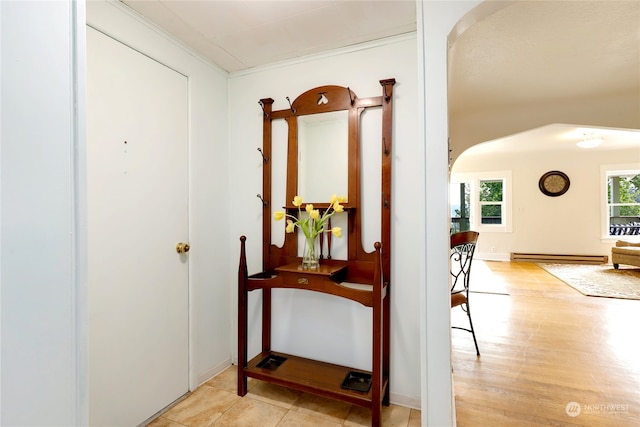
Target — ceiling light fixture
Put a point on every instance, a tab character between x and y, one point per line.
589	141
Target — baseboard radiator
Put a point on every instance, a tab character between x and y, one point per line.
559	259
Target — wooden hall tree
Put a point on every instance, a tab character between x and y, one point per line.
364	276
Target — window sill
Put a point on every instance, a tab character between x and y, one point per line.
614	239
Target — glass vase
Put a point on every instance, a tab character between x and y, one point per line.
310	260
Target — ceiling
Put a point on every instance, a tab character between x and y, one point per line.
540	51
528	52
560	137
241	34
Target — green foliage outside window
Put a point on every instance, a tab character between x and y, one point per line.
626	200
491	191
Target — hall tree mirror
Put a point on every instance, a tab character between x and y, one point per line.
323	154
327	141
323	164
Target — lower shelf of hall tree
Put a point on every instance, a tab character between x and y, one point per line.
313	376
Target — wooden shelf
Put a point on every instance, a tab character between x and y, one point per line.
324	270
327	279
311	376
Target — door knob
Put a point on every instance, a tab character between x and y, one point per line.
182	248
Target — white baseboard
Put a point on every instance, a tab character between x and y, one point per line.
210	373
402	400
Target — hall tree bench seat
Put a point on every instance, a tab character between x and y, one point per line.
364	277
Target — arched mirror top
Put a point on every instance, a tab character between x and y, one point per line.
324	99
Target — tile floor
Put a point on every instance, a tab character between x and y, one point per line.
216	404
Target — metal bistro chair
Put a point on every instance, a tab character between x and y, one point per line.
463	245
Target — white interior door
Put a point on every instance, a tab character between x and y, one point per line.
137	116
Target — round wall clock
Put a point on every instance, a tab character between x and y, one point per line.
554	183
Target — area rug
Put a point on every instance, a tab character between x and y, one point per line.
598	280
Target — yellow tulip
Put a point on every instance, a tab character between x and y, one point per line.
314	214
290	226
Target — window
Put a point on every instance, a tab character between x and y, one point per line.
491	201
622	202
481	201
460	201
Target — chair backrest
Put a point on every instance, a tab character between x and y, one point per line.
463	246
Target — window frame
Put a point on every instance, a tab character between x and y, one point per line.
483	203
607	171
474	179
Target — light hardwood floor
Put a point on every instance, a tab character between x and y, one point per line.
543	346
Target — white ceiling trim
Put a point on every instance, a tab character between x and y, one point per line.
327	54
132	14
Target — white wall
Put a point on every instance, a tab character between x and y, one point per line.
209	263
436	19
316	325
569	224
42	282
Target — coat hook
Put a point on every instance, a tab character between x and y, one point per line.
259	196
264	158
386	149
387	97
350	98
263	110
291	106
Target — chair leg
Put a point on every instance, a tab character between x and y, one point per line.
473	333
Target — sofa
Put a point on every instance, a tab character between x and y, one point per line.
627	253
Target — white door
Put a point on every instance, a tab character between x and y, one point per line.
138	194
